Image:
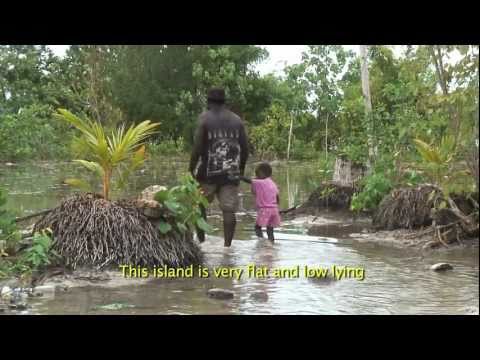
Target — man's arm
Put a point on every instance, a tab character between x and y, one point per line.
243	140
198	145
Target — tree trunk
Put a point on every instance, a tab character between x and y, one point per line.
290	138
473	161
440	71
346	173
368	104
326	138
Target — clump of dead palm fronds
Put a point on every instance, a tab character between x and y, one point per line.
426	208
406	208
329	195
91	231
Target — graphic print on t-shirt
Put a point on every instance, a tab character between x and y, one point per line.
223	153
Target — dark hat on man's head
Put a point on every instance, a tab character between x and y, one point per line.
216	95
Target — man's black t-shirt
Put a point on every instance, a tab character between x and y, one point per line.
221	145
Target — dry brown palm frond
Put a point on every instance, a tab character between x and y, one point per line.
91	231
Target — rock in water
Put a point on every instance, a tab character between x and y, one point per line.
441	267
19	306
146	201
222	294
6	292
44	290
259	296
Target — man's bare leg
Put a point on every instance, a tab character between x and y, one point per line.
200	232
229	223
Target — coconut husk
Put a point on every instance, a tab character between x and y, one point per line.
91	231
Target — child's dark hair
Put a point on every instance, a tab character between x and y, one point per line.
263	170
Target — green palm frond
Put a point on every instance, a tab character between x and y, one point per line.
92	166
78	183
126	169
428	152
122	152
123	144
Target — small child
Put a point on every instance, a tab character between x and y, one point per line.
266	198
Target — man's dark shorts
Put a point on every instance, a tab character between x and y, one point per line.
227	195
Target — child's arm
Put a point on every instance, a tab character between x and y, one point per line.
247	180
278	200
240	177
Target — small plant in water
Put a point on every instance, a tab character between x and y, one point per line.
40	253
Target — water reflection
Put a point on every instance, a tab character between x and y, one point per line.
396	282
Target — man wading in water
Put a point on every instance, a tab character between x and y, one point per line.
221	146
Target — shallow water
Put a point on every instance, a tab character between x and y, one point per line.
396	281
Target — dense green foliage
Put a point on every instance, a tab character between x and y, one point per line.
426	92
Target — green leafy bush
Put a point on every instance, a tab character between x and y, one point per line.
374	188
36	257
167	147
8	229
40	253
183	203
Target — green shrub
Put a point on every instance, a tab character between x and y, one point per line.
374	188
183	203
167	147
9	234
39	254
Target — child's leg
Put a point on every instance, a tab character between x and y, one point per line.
270	233
258	231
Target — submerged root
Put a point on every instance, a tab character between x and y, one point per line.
91	231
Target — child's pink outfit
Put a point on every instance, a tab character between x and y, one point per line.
266	192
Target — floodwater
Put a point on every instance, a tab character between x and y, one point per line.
394	281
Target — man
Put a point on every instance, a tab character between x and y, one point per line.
221	146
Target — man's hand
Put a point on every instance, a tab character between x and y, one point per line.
232	177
